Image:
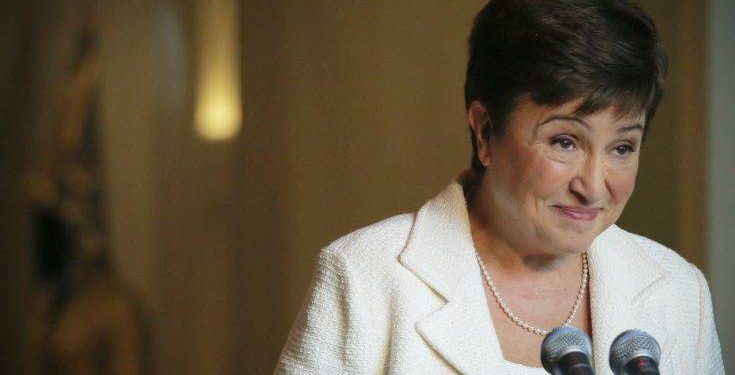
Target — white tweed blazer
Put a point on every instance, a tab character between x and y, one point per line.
405	296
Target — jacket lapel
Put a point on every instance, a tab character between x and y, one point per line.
440	252
622	278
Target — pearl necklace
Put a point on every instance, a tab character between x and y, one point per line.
515	318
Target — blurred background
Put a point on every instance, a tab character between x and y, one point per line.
170	168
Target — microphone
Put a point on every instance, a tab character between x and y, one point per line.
566	351
635	352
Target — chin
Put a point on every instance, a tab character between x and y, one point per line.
574	242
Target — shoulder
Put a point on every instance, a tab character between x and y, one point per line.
682	276
369	247
335	330
666	258
661	254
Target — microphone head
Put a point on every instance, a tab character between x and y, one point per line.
561	341
632	344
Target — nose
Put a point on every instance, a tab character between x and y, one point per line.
589	184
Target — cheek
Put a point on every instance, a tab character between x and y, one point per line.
547	176
621	184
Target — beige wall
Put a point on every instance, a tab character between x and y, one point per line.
353	112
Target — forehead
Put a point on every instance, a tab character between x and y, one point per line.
529	114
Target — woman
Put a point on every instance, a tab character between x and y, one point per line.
560	94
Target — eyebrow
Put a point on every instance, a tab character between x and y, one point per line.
631	128
580	121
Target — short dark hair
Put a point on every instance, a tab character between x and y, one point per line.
605	52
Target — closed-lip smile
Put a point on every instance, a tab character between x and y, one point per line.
579	213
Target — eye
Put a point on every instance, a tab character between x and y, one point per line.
565	143
624	150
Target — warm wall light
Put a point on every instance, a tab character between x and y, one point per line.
218	114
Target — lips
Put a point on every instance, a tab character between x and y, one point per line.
579	213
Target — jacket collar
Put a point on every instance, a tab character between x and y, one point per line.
440	252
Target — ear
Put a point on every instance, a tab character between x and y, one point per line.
479	120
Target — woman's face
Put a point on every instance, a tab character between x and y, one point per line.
554	181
